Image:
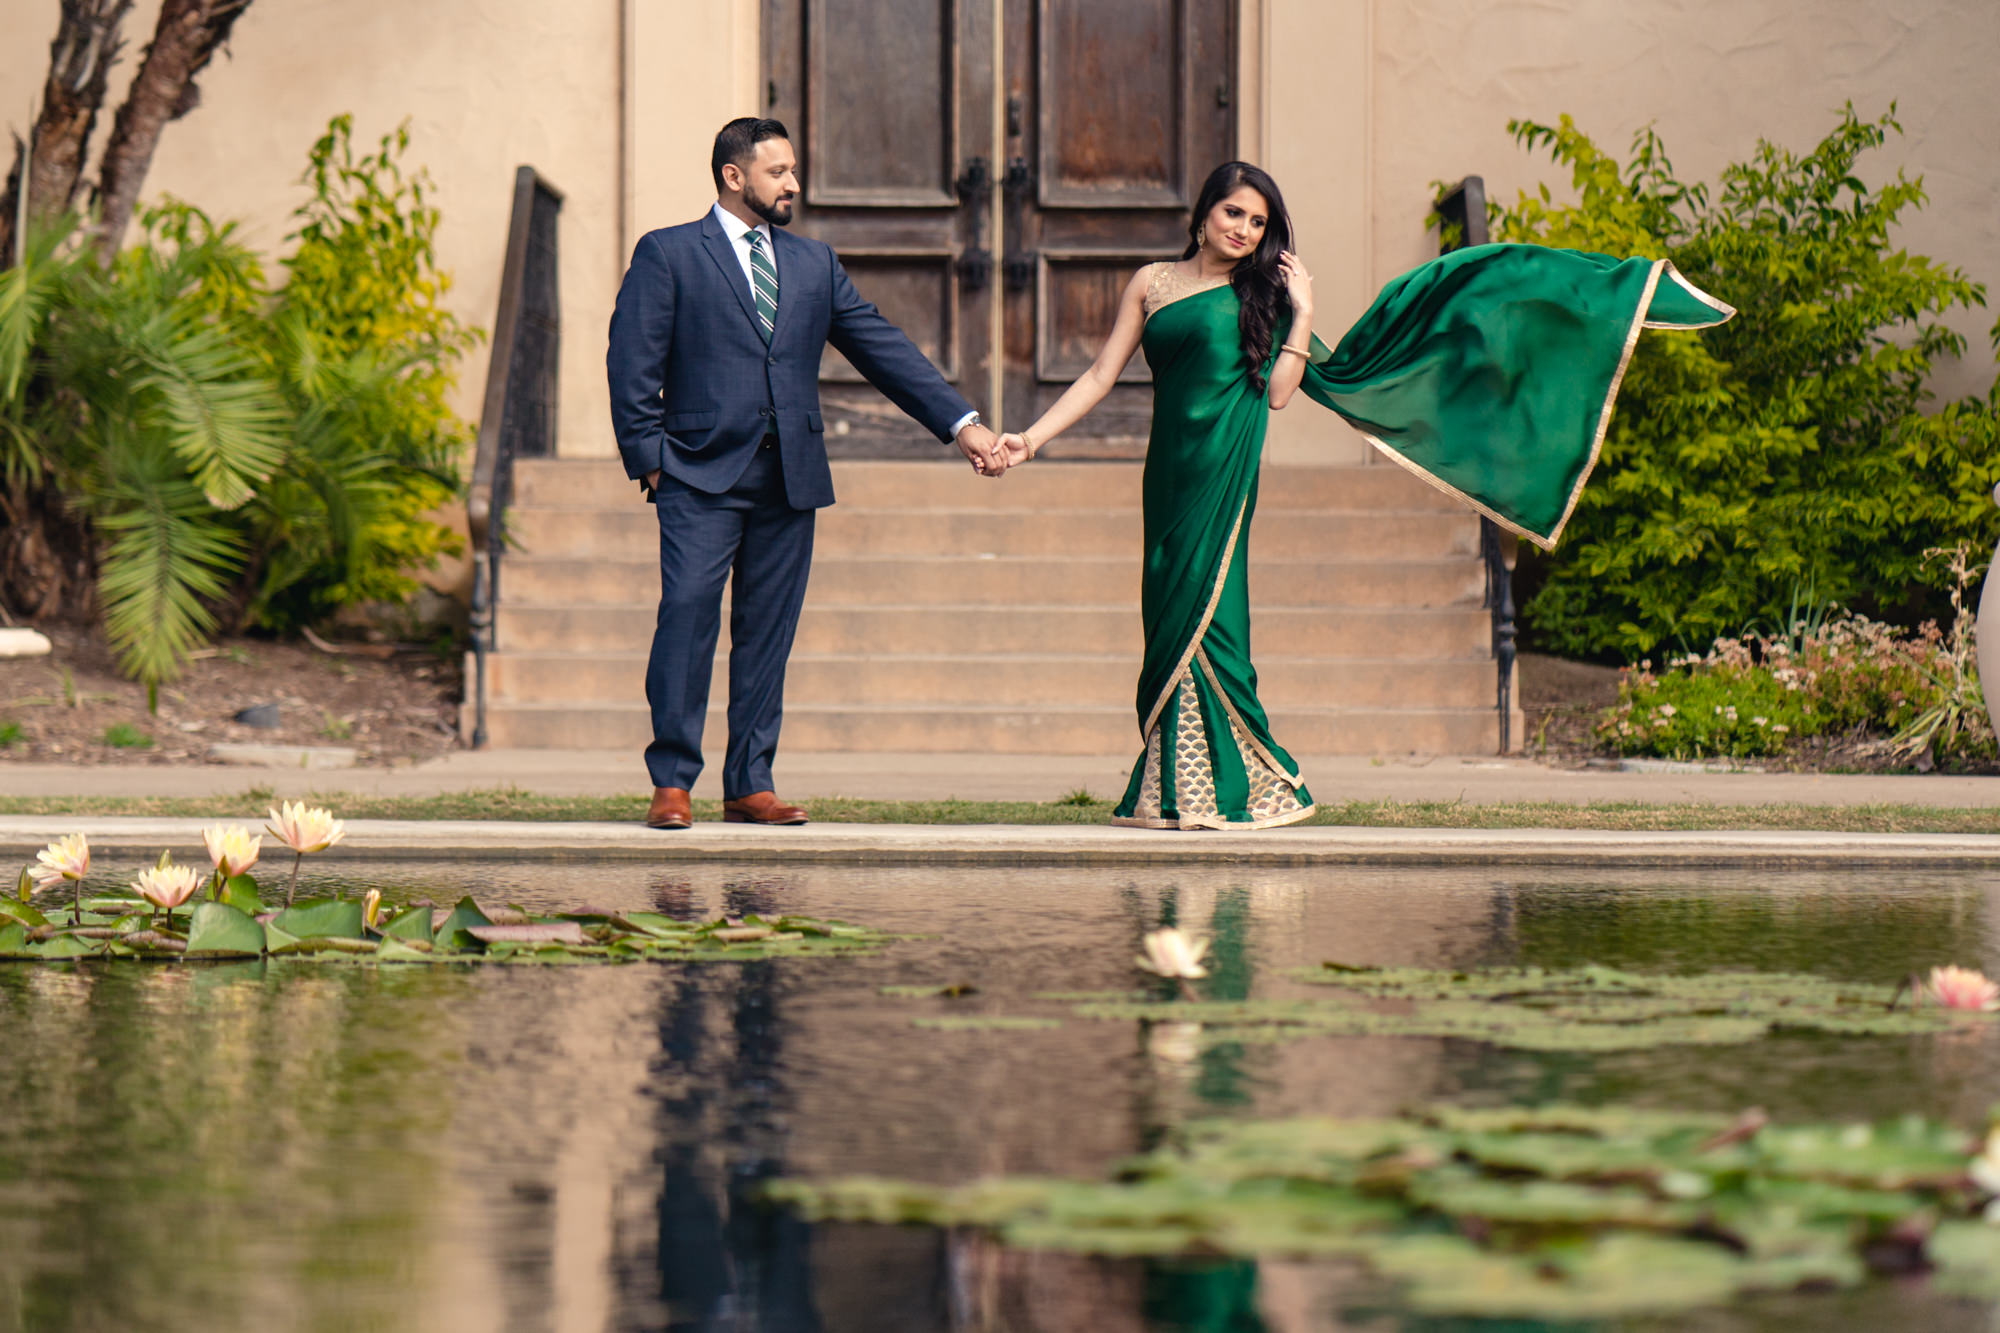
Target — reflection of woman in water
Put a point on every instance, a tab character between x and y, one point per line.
1489	372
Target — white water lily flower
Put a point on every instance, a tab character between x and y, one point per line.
305	829
232	849
371	907
1176	1044
1173	953
167	887
68	857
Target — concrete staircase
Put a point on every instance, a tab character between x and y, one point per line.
951	614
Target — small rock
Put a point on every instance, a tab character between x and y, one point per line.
260	715
16	642
285	756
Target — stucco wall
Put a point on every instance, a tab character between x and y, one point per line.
486	86
1712	76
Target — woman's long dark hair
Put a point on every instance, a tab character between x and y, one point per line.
1259	282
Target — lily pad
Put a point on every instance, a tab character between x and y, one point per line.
1530	1213
410	924
25	913
547	932
451	930
322	919
240	892
218	928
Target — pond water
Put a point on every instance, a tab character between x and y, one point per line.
295	1146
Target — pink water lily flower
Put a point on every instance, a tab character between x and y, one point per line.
67	857
232	849
167	887
304	828
1174	953
1962	988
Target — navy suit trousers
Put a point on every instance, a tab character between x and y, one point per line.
751	538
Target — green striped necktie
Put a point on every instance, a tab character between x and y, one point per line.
763	286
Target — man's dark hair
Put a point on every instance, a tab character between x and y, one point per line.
737	142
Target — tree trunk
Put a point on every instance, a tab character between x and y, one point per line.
86	46
189	31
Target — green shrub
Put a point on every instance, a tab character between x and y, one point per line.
125	736
1791	446
227	450
10	735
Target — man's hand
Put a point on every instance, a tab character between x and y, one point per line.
982	450
653	480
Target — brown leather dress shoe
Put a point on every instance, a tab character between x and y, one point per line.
670	809
761	807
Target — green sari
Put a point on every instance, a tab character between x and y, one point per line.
1489	372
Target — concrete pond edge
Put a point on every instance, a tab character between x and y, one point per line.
1033	845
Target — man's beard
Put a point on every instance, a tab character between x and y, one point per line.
777	212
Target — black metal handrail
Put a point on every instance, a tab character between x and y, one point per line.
518	416
1462	222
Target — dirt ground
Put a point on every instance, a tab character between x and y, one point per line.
72	705
1560	702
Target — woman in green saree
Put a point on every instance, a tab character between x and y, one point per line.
1489	372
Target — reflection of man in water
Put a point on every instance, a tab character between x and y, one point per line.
725	1261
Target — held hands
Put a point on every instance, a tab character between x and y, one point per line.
1016	447
982	450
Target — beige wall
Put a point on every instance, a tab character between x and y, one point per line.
1370	101
1355	105
1712	76
486	87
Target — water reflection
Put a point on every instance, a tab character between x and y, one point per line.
314	1145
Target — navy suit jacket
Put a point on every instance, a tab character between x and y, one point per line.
694	390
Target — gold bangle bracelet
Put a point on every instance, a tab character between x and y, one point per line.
1028	443
1287	347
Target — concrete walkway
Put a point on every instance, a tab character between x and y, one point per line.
1006	777
995	844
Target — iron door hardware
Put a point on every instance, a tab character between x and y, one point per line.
975	191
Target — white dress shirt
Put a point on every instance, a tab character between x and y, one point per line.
739	232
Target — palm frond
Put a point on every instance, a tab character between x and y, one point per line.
28	292
218	412
165	552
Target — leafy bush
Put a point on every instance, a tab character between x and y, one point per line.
227	448
1752	696
1790	446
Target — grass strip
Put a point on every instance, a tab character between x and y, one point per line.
513	803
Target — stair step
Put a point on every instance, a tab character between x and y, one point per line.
1326	631
572	483
633	534
1027	681
1001	579
986	730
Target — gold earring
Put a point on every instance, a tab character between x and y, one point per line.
1201	237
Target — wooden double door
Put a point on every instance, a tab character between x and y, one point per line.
991	172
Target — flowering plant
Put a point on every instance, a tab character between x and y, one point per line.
1756	695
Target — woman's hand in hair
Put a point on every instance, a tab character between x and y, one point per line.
1298	282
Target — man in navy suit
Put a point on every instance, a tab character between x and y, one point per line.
714	367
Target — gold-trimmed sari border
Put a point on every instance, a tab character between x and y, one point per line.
1207	616
1638	325
1236	718
1218	825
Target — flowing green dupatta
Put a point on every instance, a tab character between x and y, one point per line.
1489	372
